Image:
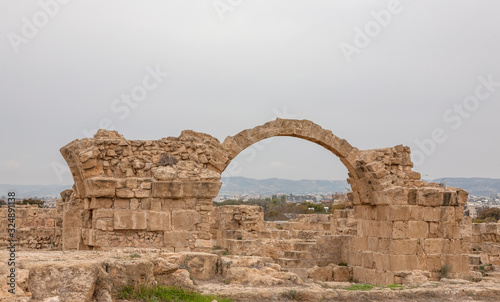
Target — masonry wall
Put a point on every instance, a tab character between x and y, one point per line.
159	194
140	193
36	228
486	242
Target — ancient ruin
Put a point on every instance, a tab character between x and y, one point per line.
158	194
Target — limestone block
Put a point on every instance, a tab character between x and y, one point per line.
400	229
342	274
131	183
130	220
434	245
176	239
404	246
402	262
156	204
417	213
134	204
432	213
185	220
373	243
400	212
125	193
321	273
449	230
100	187
367	259
139	193
418	229
447	214
102	213
383	212
201	243
430	197
120	203
104	224
384	229
433	263
158	221
100	203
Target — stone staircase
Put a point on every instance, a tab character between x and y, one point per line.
300	259
487	270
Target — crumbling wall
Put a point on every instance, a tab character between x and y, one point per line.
141	193
486	242
36	228
159	194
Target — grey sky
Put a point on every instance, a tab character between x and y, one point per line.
262	59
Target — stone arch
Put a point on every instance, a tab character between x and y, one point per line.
306	130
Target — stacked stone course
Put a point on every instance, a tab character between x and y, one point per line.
159	194
36	228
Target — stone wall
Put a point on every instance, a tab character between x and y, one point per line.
159	194
486	242
141	193
36	228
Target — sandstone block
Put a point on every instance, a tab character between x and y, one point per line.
400	212
404	246
158	221
430	197
201	243
400	229
177	239
130	220
434	245
103	213
418	229
104	203
321	273
120	203
185	220
432	214
100	187
125	193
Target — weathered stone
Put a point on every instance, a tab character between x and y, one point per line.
130	220
158	221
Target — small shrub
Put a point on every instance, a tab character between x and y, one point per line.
395	286
291	295
444	271
135	256
342	264
163	293
363	287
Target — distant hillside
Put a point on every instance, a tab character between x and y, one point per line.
475	186
241	185
25	191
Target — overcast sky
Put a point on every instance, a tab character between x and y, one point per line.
424	73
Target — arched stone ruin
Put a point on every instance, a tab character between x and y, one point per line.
159	194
